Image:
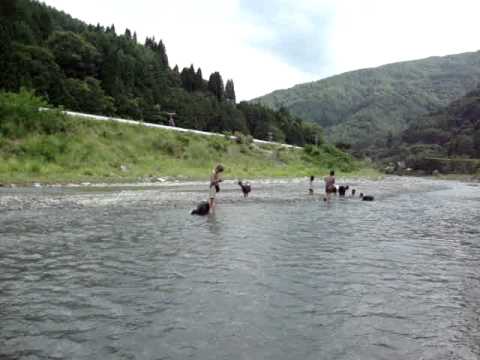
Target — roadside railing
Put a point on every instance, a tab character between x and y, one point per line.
165	127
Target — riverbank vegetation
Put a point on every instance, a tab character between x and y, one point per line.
92	69
47	146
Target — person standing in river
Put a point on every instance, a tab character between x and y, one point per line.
329	185
215	180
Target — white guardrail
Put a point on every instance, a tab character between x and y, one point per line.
165	127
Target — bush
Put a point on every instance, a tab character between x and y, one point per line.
20	115
218	145
46	148
244	149
312	150
183	138
197	151
168	146
243	139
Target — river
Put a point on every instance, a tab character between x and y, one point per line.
126	273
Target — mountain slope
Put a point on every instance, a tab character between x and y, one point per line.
453	131
363	107
447	140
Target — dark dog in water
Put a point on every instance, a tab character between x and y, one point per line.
342	190
246	188
366	197
202	209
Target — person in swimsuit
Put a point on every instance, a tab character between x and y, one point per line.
330	185
215	180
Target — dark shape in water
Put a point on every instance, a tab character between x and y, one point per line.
366	197
202	209
342	190
246	188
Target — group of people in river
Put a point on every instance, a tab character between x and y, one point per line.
332	188
206	207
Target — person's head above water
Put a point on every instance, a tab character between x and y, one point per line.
332	173
219	168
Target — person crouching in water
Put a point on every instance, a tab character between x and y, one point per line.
215	180
330	185
310	188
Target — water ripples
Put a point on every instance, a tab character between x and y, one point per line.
129	274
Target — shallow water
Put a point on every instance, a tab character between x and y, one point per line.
127	273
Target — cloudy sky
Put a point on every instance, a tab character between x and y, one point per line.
264	45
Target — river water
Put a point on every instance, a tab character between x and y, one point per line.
127	273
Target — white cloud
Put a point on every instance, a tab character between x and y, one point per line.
374	32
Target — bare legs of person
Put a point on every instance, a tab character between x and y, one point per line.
211	203
327	196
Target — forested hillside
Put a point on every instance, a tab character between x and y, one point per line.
91	68
453	132
447	140
366	108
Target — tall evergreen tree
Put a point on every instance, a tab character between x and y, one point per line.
198	81
188	78
215	86
44	23
230	91
162	52
8	79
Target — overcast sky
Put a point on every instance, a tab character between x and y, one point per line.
265	45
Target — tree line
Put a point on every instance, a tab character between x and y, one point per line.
93	69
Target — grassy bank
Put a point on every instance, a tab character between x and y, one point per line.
49	147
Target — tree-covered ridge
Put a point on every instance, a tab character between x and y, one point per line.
363	107
451	132
91	68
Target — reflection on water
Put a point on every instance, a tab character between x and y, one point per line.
127	273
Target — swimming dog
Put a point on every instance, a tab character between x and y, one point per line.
246	188
202	209
342	190
366	197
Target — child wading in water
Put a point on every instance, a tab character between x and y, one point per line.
310	188
329	185
214	188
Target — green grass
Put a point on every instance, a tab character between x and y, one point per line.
48	147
